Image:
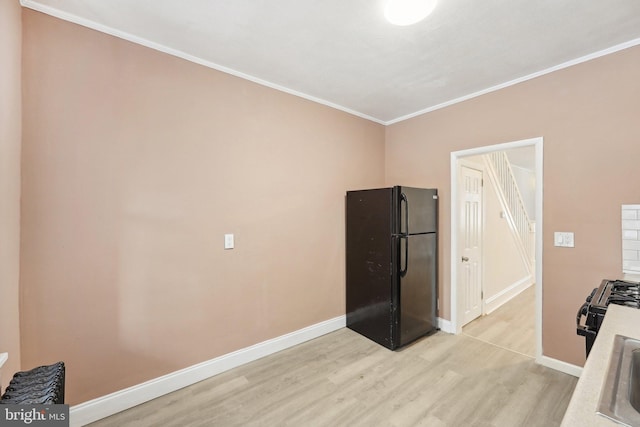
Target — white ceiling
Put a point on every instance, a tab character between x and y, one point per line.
344	54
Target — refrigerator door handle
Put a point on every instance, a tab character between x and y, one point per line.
405	234
403	271
403	199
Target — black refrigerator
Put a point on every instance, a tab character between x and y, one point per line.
391	261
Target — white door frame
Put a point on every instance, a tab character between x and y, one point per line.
455	156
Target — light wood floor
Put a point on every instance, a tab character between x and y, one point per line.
343	379
512	326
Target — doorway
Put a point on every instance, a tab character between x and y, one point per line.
457	298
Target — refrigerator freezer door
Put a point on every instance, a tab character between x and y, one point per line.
417	292
419	207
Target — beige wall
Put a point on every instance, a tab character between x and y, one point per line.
588	116
135	165
10	130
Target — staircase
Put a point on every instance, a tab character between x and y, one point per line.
522	227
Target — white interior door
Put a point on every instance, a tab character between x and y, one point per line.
470	243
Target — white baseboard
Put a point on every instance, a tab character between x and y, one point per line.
118	401
494	302
559	365
445	326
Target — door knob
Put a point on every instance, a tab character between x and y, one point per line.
465	259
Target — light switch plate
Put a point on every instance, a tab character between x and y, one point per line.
563	239
228	241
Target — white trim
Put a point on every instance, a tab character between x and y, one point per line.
507	294
561	366
445	325
118	401
455	325
65	16
567	64
3	358
455	156
539	242
32	4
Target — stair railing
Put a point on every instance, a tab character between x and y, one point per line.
510	197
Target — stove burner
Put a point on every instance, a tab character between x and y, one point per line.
624	293
630	292
619	285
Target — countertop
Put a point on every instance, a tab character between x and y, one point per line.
584	402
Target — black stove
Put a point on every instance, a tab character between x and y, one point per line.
619	292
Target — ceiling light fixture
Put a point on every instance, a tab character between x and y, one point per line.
407	12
